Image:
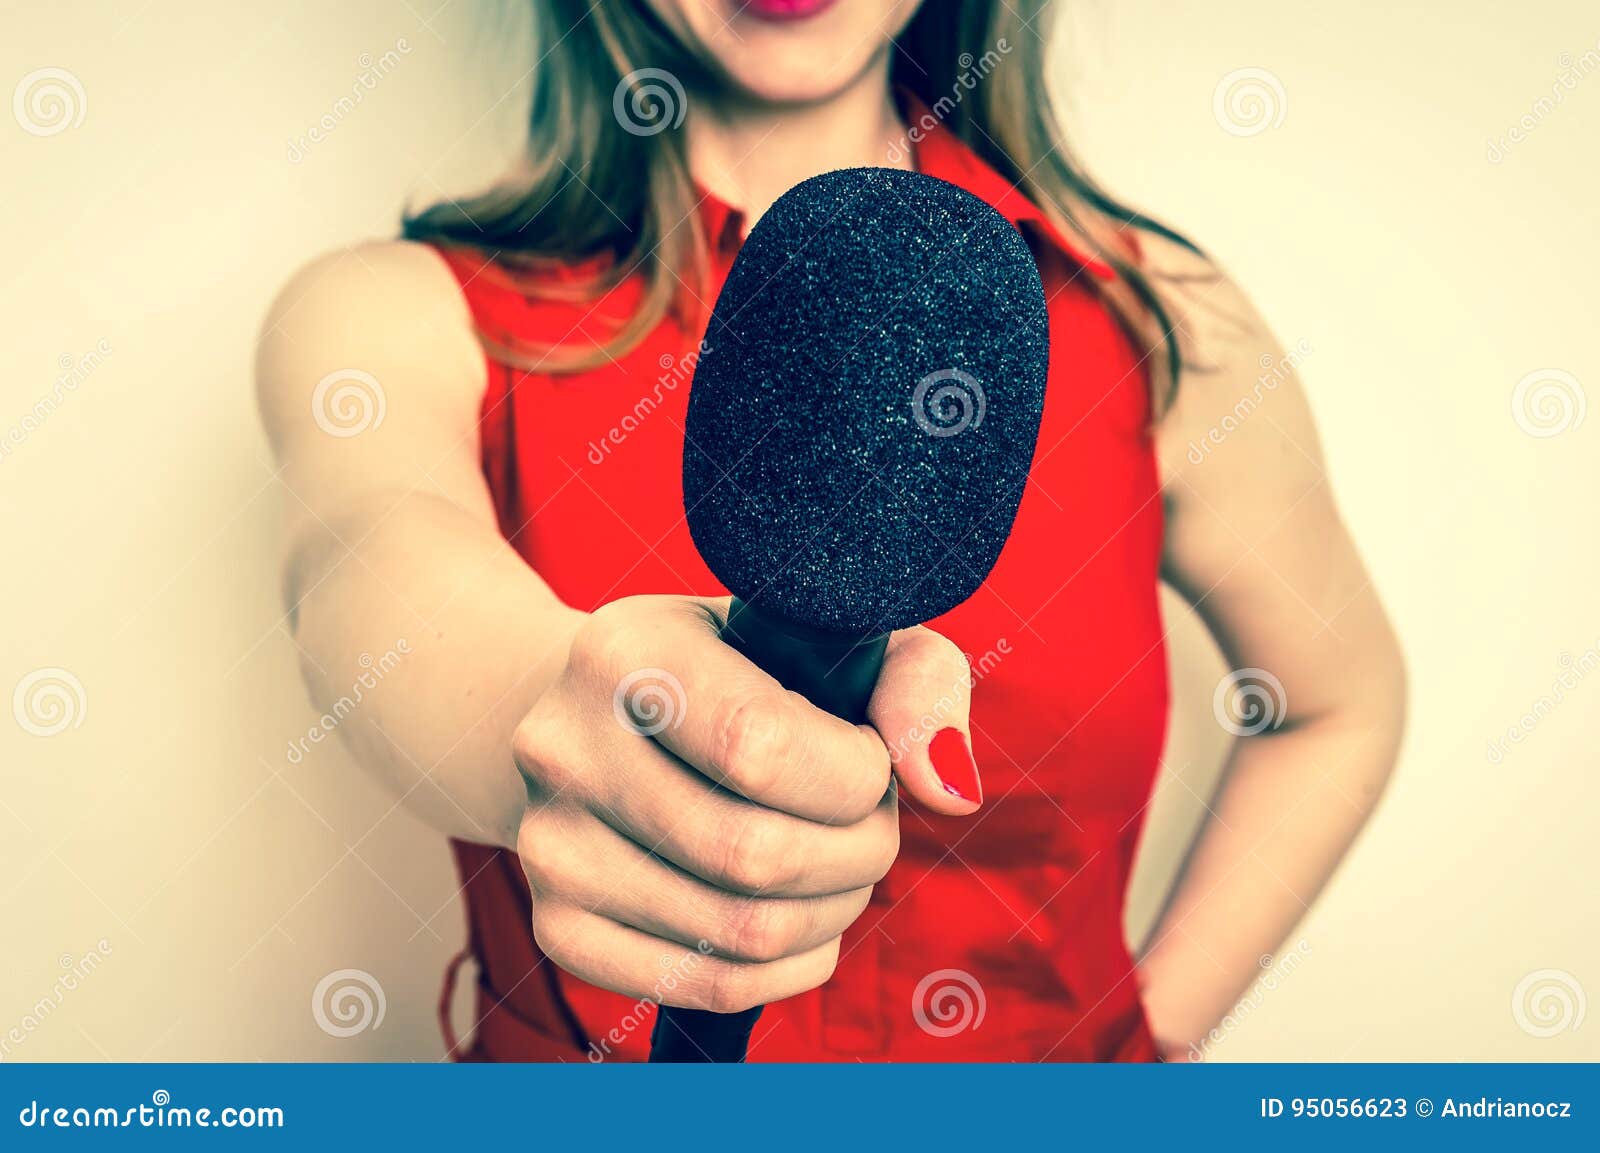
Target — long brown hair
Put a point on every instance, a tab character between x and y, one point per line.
617	203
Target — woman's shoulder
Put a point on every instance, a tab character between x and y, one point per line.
383	284
1240	386
390	311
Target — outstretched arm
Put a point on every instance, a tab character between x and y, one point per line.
392	535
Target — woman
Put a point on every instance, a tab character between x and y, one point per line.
513	509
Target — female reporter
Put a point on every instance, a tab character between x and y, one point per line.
672	825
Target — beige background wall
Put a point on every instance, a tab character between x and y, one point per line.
196	886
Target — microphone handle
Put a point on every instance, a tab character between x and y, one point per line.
837	674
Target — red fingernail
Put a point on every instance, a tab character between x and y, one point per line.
952	760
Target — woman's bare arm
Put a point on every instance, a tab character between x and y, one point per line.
1256	544
737	841
392	536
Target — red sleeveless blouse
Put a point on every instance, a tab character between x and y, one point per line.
994	937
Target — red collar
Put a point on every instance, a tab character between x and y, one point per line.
936	151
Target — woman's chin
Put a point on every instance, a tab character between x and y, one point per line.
773	79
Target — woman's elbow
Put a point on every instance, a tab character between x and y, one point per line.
1382	707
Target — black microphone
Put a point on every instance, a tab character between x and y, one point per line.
859	433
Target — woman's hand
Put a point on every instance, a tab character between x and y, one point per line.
697	835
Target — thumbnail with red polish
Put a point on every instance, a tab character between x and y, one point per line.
953	762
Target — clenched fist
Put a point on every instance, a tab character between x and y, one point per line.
687	813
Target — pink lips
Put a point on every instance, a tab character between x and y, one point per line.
784	9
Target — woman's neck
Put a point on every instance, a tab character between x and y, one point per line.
747	155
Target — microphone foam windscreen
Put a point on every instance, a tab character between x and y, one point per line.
865	408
